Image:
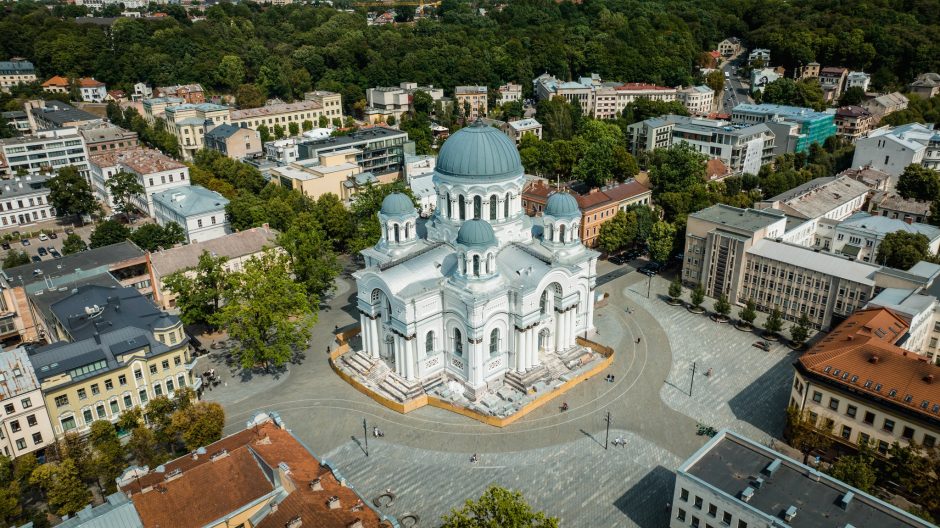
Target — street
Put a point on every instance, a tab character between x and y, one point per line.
736	91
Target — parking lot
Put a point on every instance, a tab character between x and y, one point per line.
42	247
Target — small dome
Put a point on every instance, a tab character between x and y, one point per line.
476	233
479	152
397	204
562	205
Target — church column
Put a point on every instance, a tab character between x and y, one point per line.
589	318
399	355
528	349
534	347
364	334
560	331
409	358
375	338
572	326
520	351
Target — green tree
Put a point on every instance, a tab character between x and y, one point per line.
152	236
644	108
498	507
675	289
108	454
806	92
265	133
676	169
722	306
266	312
63	487
855	470
323	122
902	250
199	425
231	72
749	312
919	183
199	291
698	296
122	187
73	244
804	434
308	124
144	448
107	233
617	233
852	96
559	119
71	194
774	322
661	240
312	259
249	96
716	81
800	331
293	128
15	258
279	132
9	503
335	219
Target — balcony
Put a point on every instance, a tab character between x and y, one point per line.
192	364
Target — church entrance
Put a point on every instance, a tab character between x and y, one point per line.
544	340
388	351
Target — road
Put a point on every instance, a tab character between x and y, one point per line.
739	92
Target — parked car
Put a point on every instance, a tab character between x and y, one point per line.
42	252
5	245
34	258
618	259
25	241
43	237
651	269
53	236
55	254
69	231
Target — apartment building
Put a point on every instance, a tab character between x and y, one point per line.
741	148
892	149
729	46
546	86
24	422
832	80
89	89
508	93
759	54
155	171
520	127
860	385
331	104
698	100
43	152
393	101
382	149
853	122
335	172
860	235
120	352
810	126
885	104
736	482
926	85
24	200
857	79
890	204
188	122
233	141
281	114
761	77
199	211
610	99
187	93
18	120
831	197
919	308
16	71
106	137
155	107
472	101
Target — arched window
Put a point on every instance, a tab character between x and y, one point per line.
493	206
376	295
450	212
458	342
407	231
561	232
429	343
397	236
477	207
506	207
462	205
543	303
549	232
476	265
494	342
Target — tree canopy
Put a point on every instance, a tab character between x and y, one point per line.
498	507
902	250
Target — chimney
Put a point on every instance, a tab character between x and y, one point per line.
928	379
908	220
333	502
874	359
315	485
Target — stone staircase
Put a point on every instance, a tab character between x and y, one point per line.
358	362
556	367
400	389
378	372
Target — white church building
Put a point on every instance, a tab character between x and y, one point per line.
479	294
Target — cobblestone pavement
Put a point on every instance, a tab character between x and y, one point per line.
748	388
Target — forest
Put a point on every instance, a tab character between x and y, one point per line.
287	50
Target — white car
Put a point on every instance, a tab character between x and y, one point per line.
43	237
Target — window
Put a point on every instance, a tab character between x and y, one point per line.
199	224
869	418
138	374
143	396
169	385
712	510
684	495
9	408
742	524
817	396
834	404
81	394
86	414
429	343
888	425
37	438
26	403
907	433
458	342
726	518
99	410
153	369
695	522
108	384
882	447
15	426
929	441
61	401
698	502
494	342
165	364
680	514
114	407
31	420
128	403
846	432
122	380
21	444
176	361
94	388
863	439
182	380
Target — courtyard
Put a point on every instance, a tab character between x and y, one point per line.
556	459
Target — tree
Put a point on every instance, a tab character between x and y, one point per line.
107	233
919	183
266	312
122	187
308	124
231	71
800	331
323	122
774	322
265	133
722	306
73	244
805	92
15	258
804	434
9	503
661	240
676	169
279	132
422	102
199	425
645	108
199	291
749	312
559	119
675	289
902	250
108	457
618	232
63	487
249	96
144	448
151	237
293	128
852	96
312	259
855	470
159	414
698	296
71	194
498	507
716	81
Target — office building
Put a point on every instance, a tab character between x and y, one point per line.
892	149
382	149
809	126
43	152
860	235
199	211
336	172
189	122
24	423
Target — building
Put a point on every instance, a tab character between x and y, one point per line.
503	304
46	115
43	152
734	481
760	55
547	86
729	47
890	204
832	80
761	77
154	170
810	71
24	424
16	71
281	114
335	172
121	352
261	477
853	122
188	93
141	92
919	309
516	129
926	85
892	149
834	198
25	200
199	211
236	248
862	386
698	100
508	93
189	122
886	104
106	137
382	149
234	141
472	101
18	120
155	107
597	206
90	90
857	79
393	101
810	126
876	180
861	234
741	148
610	99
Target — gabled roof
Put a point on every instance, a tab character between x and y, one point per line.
231	246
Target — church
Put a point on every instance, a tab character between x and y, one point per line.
479	294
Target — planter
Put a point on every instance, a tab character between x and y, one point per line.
721	319
742	326
771	336
696	309
674	302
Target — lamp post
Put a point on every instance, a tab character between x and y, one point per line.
365	434
607	435
692	379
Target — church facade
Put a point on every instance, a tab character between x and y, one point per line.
480	292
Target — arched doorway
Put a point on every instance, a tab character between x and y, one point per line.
545	338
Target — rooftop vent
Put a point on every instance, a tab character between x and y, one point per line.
296	522
874	359
747	494
928	379
315	485
284	467
175	474
846	499
333	502
790	514
219	454
772	467
758	482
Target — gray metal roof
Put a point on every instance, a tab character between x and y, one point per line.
822	262
24	185
94	309
117	512
191	200
82	261
222	131
16	373
745	219
479	152
59	113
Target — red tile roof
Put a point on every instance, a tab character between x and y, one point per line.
57	81
861	354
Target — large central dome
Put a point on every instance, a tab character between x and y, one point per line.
479	152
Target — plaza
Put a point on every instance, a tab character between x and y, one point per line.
556	459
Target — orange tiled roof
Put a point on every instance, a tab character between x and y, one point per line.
862	355
57	81
715	167
626	190
89	82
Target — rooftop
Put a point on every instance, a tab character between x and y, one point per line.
275	109
525	124
223	131
87	260
642	87
117	512
791	113
852	111
24	185
17	67
231	246
894	202
750	220
364	135
92	309
470	90
138	159
822	262
862	355
730	463
818	197
60	114
103	133
191	200
883	225
16	373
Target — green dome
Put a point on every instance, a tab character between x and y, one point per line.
397	204
476	233
479	151
562	205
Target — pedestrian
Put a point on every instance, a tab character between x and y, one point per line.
327	349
